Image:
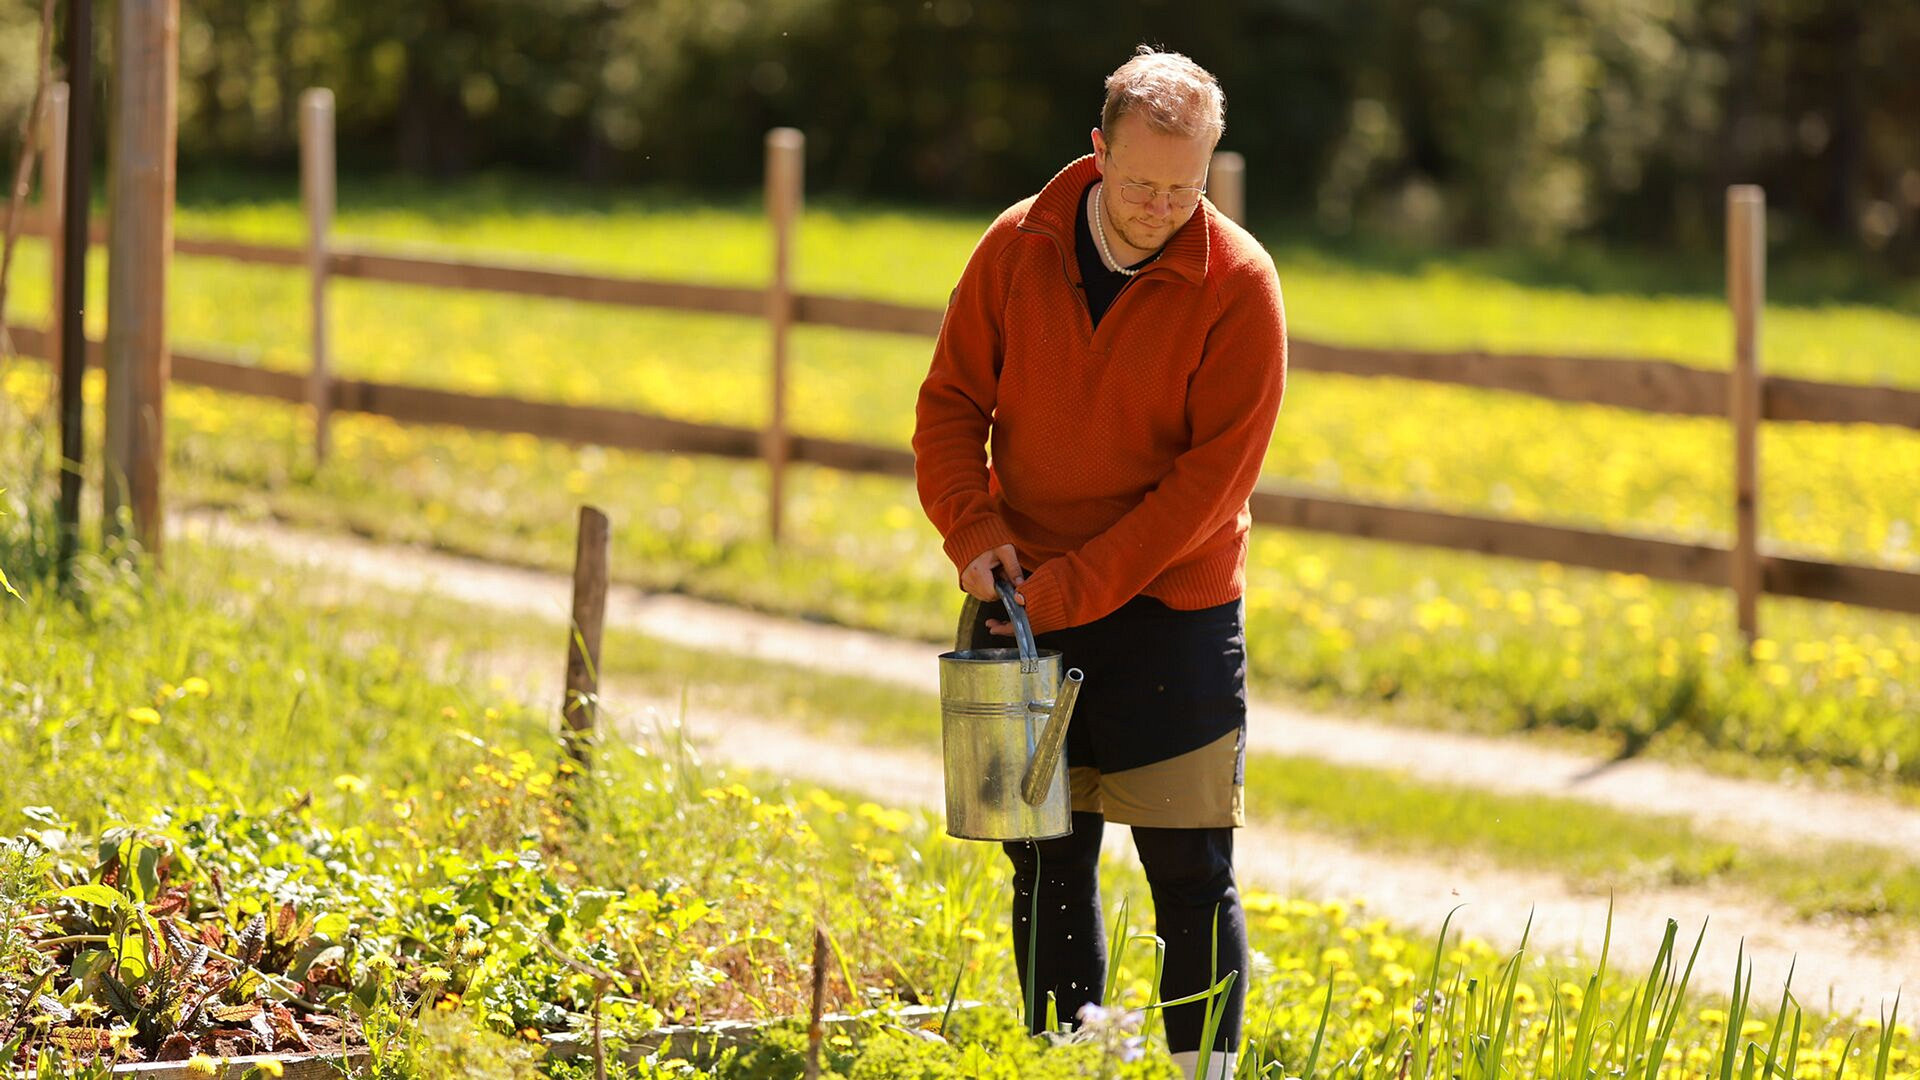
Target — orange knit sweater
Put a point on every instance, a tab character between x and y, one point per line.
1122	456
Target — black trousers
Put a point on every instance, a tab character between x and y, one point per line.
1196	912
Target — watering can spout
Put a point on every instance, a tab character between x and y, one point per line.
1053	740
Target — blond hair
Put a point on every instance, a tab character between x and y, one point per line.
1174	95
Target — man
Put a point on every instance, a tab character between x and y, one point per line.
1121	347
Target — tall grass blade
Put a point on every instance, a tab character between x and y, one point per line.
1670	1013
1736	1010
1110	992
1840	1067
1883	1057
1657	979
953	995
1780	1017
1320	1033
1425	1022
1211	1030
1793	1047
1579	1060
1496	1047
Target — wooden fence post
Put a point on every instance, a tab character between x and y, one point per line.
583	636
69	319
317	193
785	179
1227	185
146	45
53	206
1746	294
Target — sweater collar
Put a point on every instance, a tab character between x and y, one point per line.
1054	210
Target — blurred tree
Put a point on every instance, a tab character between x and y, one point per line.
1498	120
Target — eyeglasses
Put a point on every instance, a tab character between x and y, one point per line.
1182	198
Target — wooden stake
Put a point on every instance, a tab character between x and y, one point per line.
786	152
53	204
140	249
815	1029
583	639
70	316
317	194
1746	295
1227	185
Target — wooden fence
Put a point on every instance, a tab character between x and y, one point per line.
1656	386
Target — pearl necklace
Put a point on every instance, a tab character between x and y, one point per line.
1100	234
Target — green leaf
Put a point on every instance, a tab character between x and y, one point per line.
95	894
147	872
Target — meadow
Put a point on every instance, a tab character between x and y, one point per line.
345	803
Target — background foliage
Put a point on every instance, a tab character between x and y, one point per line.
1501	120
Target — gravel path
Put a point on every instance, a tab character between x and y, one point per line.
1416	893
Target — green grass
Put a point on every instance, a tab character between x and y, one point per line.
357	762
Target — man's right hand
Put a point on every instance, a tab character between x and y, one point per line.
977	578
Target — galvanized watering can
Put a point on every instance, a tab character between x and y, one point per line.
1003	730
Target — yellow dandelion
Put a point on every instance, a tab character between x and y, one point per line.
143	715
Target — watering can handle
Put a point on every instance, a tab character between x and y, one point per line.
1022	628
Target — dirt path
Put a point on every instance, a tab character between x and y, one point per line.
1415	893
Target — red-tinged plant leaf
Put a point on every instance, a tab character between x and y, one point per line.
235	1014
81	1039
172	902
176	938
213	934
252	937
285	922
177	1047
288	1035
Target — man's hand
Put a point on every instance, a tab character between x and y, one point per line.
977	580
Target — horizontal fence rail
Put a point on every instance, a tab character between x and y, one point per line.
1652	386
1667	560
